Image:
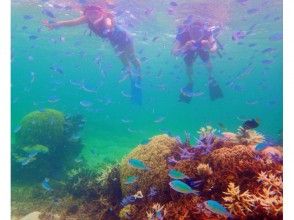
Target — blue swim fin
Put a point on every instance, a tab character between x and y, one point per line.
186	93
215	92
136	89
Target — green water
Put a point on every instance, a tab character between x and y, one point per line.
260	95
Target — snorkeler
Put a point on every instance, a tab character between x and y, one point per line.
102	23
196	39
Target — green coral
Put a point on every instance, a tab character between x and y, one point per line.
41	128
36	148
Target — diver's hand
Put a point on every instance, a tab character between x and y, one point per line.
211	46
48	25
190	44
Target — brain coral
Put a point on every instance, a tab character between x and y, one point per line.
154	154
45	128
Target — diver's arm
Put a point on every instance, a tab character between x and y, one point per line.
67	23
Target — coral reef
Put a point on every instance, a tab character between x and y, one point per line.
46	143
154	154
225	169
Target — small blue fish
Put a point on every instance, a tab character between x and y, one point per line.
175	174
217	208
33	37
53	99
174	4
56	69
17	129
131	180
182	187
86	103
138	164
276	37
27	17
45	185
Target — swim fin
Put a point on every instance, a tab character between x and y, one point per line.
136	90
186	93
215	92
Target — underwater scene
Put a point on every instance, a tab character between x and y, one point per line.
146	110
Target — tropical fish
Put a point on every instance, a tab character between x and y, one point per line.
250	124
45	185
173	4
182	187
53	99
33	37
217	208
86	103
48	13
131	180
175	174
17	129
27	17
276	37
159	120
138	164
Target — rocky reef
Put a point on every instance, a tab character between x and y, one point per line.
222	175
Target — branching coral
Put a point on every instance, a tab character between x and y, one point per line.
270	195
206	139
269	179
154	155
249	137
239	204
204	169
270	200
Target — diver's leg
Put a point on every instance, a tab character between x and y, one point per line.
186	92
130	51
204	55
126	66
189	61
215	92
